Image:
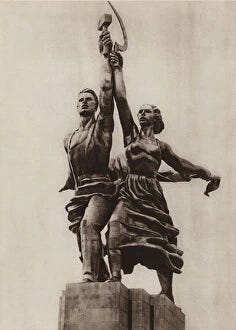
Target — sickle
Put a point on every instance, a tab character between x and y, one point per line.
118	47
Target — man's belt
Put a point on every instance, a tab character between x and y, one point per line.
82	179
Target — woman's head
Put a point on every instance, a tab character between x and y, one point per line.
148	115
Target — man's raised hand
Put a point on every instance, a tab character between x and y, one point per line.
105	41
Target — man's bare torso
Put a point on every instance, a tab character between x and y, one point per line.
89	149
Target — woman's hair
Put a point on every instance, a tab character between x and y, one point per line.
88	90
158	123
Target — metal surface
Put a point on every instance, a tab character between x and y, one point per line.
117	46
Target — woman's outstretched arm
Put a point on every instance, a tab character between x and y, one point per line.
181	165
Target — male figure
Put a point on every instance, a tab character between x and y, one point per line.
88	149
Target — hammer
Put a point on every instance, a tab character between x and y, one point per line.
103	24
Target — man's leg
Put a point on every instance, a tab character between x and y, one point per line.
114	253
94	220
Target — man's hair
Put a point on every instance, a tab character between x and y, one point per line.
88	90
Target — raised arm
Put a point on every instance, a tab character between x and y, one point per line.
106	82
128	126
183	166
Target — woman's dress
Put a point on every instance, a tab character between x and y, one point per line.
141	226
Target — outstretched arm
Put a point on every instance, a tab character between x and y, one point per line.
106	82
127	123
70	183
169	176
183	166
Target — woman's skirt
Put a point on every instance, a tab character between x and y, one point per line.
142	228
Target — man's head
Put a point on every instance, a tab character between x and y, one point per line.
87	102
150	115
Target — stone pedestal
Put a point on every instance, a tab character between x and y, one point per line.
94	306
111	306
140	309
166	315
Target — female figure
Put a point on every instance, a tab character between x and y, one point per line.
141	229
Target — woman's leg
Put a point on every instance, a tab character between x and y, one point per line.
165	279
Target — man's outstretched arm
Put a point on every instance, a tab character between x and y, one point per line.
70	183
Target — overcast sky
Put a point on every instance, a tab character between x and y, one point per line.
181	57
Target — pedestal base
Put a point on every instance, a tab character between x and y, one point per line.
111	306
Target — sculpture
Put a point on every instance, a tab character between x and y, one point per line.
140	227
